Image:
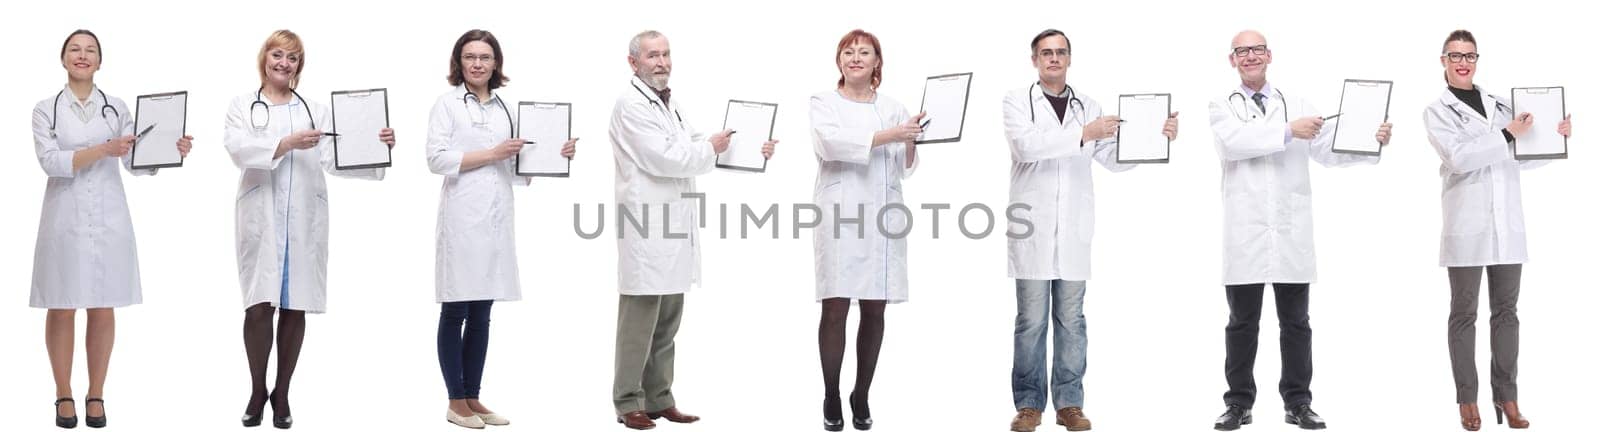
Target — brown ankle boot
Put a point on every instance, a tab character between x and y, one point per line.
1469	417
1027	420
1072	418
1513	415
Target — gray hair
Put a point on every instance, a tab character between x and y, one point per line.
633	45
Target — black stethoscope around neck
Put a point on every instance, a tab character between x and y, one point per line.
1245	102
658	104
262	125
1072	98
469	97
105	106
1499	107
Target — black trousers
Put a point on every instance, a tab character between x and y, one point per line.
1294	341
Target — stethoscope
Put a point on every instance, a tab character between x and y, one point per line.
1072	98
105	105
1500	107
658	104
485	115
1245	102
268	108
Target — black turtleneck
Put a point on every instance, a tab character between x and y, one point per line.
1474	99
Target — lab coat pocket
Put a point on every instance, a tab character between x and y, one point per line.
1466	209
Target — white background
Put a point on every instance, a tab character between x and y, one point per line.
747	356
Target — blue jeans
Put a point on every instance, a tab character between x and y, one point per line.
462	354
1061	302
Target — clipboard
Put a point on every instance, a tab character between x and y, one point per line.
1539	119
944	84
1354	120
162	127
1166	155
741	142
563	135
354	137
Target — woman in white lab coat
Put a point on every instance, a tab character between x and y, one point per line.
1483	225
470	143
865	146
281	215
85	256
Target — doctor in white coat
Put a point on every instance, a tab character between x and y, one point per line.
865	144
1055	133
1265	138
470	143
85	257
281	214
658	155
1483	226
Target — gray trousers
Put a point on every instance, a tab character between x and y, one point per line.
1504	283
646	325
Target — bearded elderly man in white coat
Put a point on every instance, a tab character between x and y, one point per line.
1054	133
1265	139
658	155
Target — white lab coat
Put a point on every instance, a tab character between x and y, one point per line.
1482	186
281	212
1266	187
658	154
476	257
856	260
1051	172
85	256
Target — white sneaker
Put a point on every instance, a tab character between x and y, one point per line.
470	421
493	419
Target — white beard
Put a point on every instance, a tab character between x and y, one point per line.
658	82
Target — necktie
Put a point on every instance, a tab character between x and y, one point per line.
1261	102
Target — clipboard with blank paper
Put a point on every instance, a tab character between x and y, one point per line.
358	116
944	98
1140	138
1549	107
753	122
545	127
1363	107
160	120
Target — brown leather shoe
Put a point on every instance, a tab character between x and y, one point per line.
1513	415
673	415
1072	418
1469	417
637	420
1027	420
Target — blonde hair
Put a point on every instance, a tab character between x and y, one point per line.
288	41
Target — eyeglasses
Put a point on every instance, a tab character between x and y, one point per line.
1058	52
1246	50
1456	57
485	59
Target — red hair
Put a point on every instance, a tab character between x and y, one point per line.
852	37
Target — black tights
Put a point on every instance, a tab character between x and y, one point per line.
258	346
831	343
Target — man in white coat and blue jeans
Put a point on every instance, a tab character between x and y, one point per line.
1054	133
658	155
1266	193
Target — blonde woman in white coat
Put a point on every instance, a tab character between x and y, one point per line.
281	215
470	143
85	257
1482	230
865	146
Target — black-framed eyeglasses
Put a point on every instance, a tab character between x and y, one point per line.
1246	50
485	59
1456	57
1058	52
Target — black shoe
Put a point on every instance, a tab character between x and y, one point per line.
284	421
1234	417
860	414
92	421
832	414
65	422
1303	416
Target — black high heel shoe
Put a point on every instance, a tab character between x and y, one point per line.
65	422
832	414
253	420
860	414
92	421
280	422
